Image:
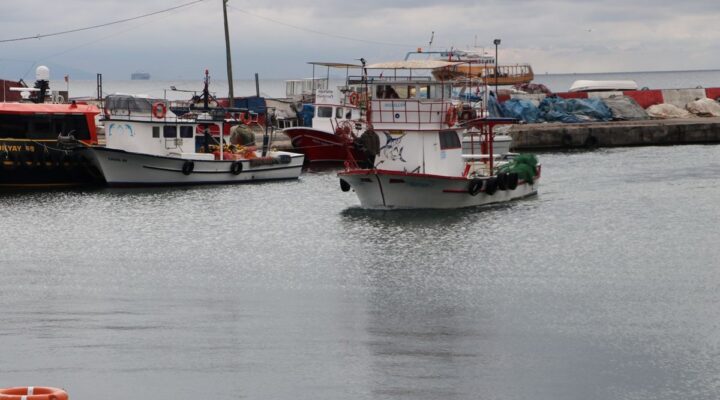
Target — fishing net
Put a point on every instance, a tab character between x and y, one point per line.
524	165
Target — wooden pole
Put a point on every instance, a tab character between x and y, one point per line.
227	56
257	85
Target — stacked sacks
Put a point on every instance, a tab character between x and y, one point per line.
704	107
666	111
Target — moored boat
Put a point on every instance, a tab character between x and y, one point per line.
336	122
419	162
41	144
149	145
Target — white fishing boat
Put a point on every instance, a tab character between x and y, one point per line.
603	86
148	145
419	162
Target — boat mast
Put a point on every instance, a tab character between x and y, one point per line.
227	55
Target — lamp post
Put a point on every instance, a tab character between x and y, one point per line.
497	43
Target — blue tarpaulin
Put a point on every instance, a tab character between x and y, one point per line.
252	103
494	108
307	113
523	110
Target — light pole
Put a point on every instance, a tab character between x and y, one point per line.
497	43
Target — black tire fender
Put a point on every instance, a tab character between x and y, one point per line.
513	179
502	180
235	168
344	185
475	186
491	186
188	167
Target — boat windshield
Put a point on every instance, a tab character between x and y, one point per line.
43	126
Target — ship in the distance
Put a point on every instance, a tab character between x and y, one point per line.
140	76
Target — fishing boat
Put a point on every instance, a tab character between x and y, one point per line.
475	64
149	145
336	121
418	161
41	144
603	86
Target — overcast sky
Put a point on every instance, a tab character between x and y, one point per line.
277	38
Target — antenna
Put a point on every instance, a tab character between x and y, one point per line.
432	37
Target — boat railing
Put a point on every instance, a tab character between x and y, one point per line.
411	113
506	71
141	116
359	80
304	87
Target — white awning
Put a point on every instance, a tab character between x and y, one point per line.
414	64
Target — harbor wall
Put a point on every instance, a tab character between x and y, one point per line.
615	133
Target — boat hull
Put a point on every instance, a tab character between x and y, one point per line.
377	189
43	164
122	168
321	146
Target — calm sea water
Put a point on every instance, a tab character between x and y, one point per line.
604	286
276	88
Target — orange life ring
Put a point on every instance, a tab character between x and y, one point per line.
246	118
33	393
354	98
159	110
451	116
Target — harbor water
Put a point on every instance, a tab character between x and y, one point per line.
604	286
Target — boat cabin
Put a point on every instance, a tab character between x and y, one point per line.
330	112
45	122
145	125
416	118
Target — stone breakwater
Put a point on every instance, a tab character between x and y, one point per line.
615	133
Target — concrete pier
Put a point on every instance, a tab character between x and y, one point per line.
551	136
615	133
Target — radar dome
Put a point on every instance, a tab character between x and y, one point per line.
42	73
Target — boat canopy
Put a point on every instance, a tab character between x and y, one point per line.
130	103
334	64
415	64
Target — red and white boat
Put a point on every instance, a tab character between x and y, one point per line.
336	123
418	160
335	126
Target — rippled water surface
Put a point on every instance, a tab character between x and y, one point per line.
605	286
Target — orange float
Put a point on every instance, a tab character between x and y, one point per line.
159	110
451	116
33	393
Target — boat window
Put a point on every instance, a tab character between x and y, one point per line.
324	112
449	140
391	92
43	126
424	92
412	92
339	112
156	131
170	131
186	131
